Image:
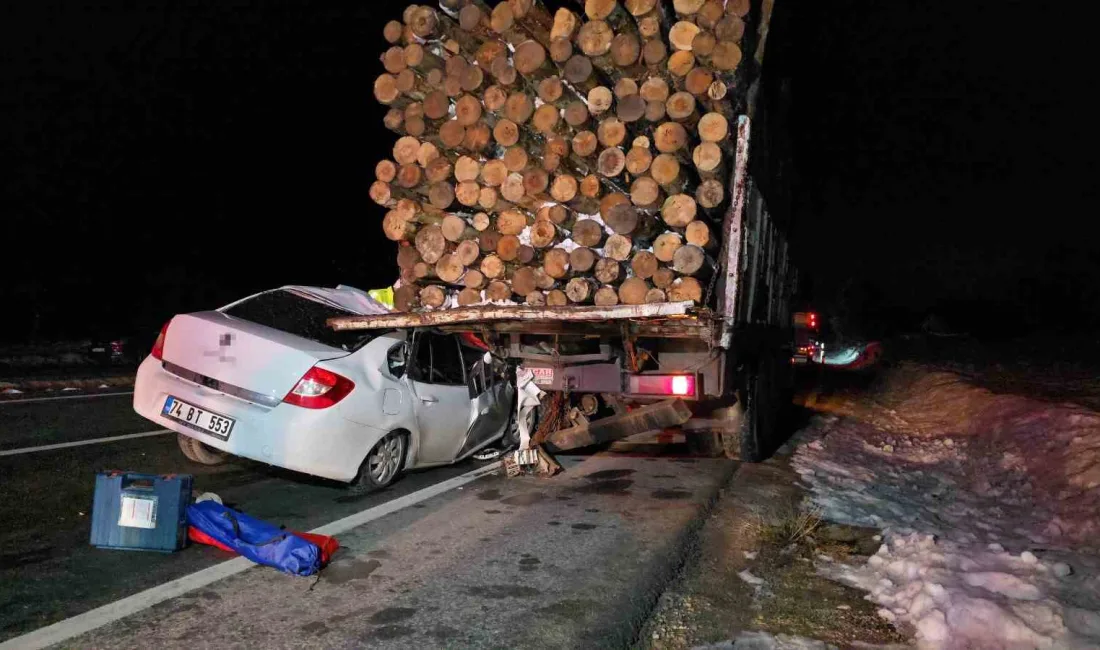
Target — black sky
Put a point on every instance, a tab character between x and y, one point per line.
168	155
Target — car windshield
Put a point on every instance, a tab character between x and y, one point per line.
296	314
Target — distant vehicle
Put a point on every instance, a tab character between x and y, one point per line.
265	378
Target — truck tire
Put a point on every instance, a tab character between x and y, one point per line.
758	425
197	452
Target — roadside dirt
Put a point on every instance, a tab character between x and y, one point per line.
754	569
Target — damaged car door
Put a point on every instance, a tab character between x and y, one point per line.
491	395
459	406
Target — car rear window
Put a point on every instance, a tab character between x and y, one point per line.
300	316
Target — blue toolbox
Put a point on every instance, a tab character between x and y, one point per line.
140	512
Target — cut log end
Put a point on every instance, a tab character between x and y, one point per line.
633	291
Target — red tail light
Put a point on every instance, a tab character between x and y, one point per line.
158	345
678	385
319	389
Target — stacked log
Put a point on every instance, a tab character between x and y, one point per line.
579	156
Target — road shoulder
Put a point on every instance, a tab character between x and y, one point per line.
753	570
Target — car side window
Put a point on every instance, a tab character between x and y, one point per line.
397	359
447	360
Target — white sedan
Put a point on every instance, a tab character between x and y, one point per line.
265	378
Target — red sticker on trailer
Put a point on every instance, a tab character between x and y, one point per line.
543	376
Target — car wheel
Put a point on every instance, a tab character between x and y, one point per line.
382	465
197	452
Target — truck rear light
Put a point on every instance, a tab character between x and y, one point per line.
158	345
319	389
676	385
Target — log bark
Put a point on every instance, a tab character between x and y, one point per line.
406	297
407	256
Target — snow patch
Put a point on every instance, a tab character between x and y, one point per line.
989	507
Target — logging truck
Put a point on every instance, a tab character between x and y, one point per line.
584	191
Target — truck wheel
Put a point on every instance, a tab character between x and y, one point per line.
759	408
197	452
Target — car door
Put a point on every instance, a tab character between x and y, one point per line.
443	408
491	397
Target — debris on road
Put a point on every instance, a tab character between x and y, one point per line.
989	538
140	512
293	553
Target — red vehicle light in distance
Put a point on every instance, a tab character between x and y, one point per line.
806	319
673	385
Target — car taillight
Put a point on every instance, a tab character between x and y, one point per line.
678	385
158	345
318	389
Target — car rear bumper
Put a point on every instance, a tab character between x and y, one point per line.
318	442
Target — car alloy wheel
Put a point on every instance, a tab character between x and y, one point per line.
384	461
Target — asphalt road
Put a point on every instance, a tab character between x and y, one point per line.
590	548
49	572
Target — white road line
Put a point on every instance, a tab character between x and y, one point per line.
81	443
27	400
96	618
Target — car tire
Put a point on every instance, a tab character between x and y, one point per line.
200	453
382	465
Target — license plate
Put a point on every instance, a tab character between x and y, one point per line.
198	418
